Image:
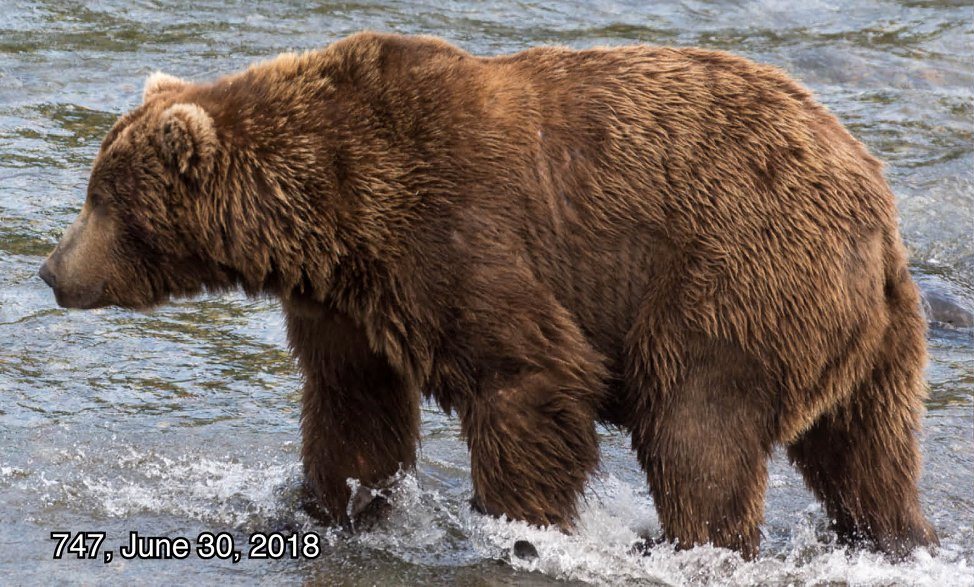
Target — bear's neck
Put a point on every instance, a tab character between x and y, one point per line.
307	192
276	234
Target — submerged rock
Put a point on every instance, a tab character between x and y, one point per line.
941	309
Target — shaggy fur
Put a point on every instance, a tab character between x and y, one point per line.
679	242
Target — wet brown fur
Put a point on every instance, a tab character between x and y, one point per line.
679	242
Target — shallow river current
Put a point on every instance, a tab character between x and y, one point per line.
185	420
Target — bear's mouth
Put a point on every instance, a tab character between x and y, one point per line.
84	297
87	298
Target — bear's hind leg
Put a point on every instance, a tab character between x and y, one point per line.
704	444
533	445
529	416
862	459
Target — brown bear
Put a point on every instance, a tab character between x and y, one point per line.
678	242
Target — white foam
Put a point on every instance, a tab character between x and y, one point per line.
611	520
424	527
211	490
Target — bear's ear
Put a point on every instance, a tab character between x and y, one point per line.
187	138
161	83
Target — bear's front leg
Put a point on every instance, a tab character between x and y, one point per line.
359	421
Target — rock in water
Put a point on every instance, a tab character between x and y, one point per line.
943	309
524	550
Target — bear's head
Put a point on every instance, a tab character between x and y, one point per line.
139	237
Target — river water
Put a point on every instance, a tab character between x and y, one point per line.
186	420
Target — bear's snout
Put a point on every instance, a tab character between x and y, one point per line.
78	267
80	296
47	275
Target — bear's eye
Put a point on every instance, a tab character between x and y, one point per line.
96	199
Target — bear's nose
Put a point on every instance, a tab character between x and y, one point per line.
47	275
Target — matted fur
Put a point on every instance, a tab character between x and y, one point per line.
679	242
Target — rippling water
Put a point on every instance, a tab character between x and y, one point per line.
186	419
